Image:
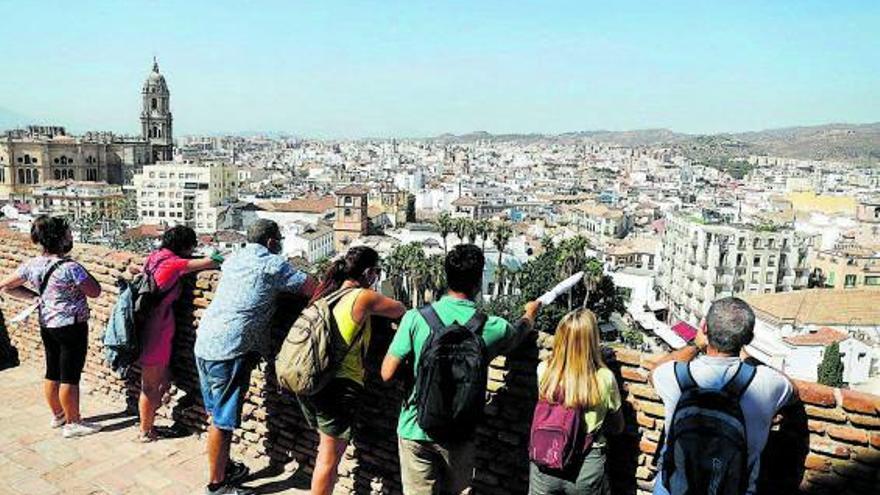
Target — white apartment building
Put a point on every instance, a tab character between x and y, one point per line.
76	199
701	262
313	242
185	194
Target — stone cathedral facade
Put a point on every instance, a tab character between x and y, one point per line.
39	154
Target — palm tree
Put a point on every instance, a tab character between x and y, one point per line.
592	276
501	235
571	259
461	228
483	230
471	231
445	224
436	276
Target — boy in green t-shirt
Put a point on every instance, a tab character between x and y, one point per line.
428	466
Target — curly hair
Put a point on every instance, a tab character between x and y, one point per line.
464	268
51	233
179	239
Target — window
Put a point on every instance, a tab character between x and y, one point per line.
771	260
755	275
153	103
849	281
872	280
57	173
757	243
770	278
771	243
348	200
348	212
756	261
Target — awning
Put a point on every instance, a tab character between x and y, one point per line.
656	305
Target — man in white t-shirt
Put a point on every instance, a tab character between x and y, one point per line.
727	328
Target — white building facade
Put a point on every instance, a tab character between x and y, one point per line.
185	194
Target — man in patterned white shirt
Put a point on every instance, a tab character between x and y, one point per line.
233	334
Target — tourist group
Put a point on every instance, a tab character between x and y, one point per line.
719	405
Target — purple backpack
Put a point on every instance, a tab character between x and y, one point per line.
557	435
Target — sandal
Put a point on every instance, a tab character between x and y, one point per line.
147	437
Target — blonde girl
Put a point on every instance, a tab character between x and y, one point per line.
576	377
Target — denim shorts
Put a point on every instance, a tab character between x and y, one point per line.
224	385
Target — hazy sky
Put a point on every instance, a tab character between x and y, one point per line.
410	68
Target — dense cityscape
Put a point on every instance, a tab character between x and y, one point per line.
666	230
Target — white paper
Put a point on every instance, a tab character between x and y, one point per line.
25	313
560	288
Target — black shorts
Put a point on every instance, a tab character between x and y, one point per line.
66	349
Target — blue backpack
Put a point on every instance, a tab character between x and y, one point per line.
707	447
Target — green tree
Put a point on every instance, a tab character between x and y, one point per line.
461	226
445	224
483	230
501	234
831	368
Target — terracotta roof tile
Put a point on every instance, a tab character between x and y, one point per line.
824	336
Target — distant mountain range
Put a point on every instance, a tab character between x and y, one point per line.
822	142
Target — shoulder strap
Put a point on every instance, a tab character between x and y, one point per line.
476	323
336	296
49	272
684	377
431	317
740	381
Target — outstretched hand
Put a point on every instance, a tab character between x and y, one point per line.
531	309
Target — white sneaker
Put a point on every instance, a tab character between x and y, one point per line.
58	421
80	429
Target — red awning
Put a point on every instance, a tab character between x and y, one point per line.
685	330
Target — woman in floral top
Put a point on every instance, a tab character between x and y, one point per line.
64	316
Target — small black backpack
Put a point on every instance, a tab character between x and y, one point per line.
451	381
707	448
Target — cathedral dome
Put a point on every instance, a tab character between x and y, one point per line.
155	82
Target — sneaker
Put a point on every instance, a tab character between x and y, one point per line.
236	473
58	421
227	489
80	429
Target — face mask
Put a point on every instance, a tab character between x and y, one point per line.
66	246
274	247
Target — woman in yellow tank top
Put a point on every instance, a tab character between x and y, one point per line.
332	410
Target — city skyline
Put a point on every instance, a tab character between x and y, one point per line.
415	71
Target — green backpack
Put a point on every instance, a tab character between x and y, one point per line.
314	349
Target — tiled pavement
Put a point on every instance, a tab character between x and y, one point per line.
35	459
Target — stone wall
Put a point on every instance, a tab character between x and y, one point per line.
828	444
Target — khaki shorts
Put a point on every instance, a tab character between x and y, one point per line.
427	468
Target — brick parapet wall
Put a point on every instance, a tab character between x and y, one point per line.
828	444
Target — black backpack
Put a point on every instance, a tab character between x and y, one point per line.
450	384
707	448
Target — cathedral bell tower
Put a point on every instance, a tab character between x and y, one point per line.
156	115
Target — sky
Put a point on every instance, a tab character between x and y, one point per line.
345	69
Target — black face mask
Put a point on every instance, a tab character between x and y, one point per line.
275	247
66	246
